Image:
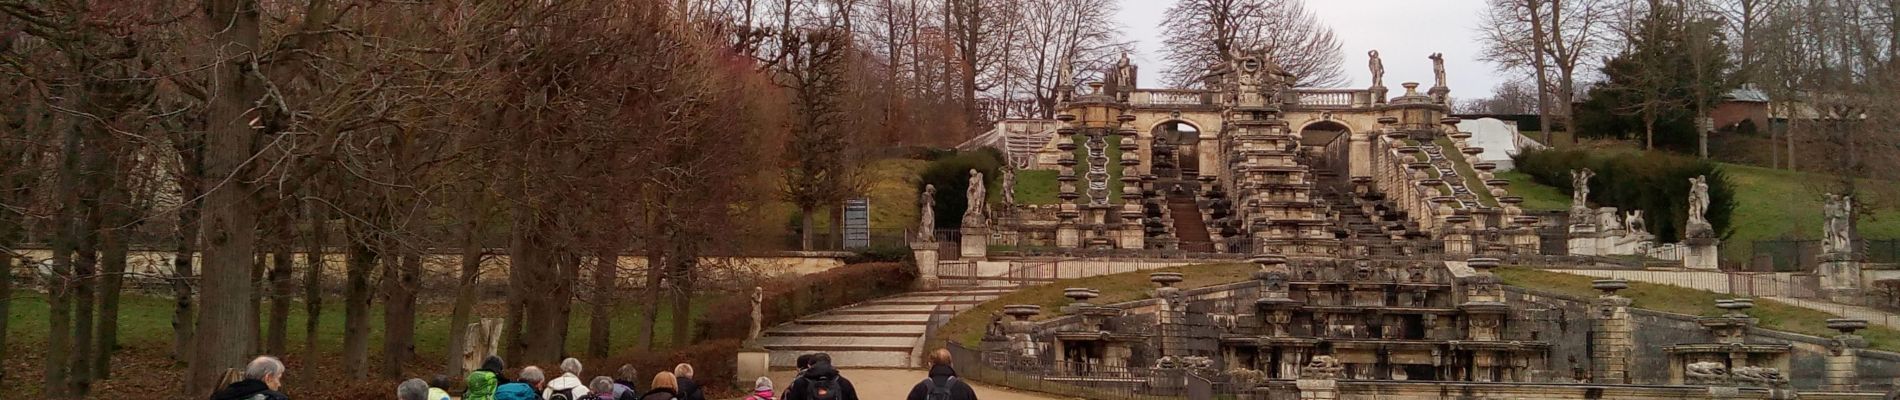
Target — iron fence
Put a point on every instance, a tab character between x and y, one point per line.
1785	255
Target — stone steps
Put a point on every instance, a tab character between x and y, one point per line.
848	330
882	333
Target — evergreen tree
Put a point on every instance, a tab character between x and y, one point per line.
1674	66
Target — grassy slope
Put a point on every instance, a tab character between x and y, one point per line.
1773	315
1537	196
1770	204
1114	153
1470	175
891	185
145	322
967	328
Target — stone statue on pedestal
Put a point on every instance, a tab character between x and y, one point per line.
758	312
927	216
1837	235
1580	195
1009	187
1378	68
1698	226
1438	68
973	215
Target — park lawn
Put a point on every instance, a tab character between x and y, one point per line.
1675	299
1537	196
145	322
968	327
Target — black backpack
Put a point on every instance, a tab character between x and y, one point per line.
826	389
562	394
940	392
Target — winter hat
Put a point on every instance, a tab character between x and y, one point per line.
763	384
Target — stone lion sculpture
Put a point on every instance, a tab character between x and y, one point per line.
1321	367
1706	372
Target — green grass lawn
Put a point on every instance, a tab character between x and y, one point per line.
1680	300
1770	204
1033	187
967	328
145	321
1537	196
1470	175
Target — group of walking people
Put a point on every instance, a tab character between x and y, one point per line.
816	379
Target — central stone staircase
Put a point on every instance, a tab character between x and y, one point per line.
882	333
1188	226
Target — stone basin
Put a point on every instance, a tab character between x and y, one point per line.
1065	117
1460	135
1165	279
1609	286
1499	183
1080	294
1484	166
1472	150
1450	120
1022	311
1847	326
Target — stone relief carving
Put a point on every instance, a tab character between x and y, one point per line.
1763	376
1706	372
1321	367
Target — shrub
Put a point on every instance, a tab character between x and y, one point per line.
951	175
881	253
788	299
1656	183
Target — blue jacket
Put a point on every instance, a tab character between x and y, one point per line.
517	391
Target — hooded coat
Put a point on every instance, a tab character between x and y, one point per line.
482	384
802	387
939	375
517	391
248	389
567	382
660	394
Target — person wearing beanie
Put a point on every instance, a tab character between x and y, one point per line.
761	389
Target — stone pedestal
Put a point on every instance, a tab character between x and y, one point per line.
1317	389
1610	342
1703	253
976	243
1840	280
753	363
1457	243
1583	240
1067	236
926	255
1843	361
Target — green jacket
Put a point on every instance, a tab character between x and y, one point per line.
481	385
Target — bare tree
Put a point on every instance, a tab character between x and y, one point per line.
1552	40
1202	33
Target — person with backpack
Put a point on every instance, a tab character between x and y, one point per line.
624	387
689	390
525	388
943	383
260	381
569	386
761	389
482	382
822	382
665	387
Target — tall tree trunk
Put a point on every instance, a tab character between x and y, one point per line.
85	274
258	265
805	226
464	296
313	283
650	303
6	300
281	288
544	300
185	251
1538	42
230	211
399	310
685	260
59	291
516	319
356	299
600	328
113	246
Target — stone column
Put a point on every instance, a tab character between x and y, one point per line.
1457	238
1610	339
1843	361
925	252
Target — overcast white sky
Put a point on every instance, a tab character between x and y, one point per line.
1404	32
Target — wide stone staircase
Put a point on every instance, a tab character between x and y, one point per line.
1353	222
1188	226
882	333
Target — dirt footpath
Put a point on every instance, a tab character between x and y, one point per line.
894	384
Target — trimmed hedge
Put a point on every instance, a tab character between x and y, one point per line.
1654	182
788	299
